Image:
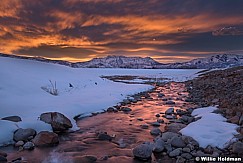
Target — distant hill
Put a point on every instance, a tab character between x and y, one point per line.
216	61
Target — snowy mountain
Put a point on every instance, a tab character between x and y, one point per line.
119	62
216	61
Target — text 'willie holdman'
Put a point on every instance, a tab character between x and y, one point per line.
221	159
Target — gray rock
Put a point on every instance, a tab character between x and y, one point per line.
160	120
190	140
169	117
104	136
143	151
19	143
168	147
159	145
58	121
29	146
174	127
180	160
144	126
177	142
175	152
168	135
110	109
156	124
186	156
126	109
23	134
208	150
155	131
160	95
169	111
46	138
238	148
186	149
157	115
169	102
12	118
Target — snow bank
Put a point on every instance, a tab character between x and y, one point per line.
23	84
212	129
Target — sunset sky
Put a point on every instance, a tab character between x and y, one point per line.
78	30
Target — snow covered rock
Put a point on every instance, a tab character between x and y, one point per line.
45	138
143	151
12	118
24	134
58	121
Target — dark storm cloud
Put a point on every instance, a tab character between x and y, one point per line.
82	29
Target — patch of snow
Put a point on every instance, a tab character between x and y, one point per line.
21	90
212	129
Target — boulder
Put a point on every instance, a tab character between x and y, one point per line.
155	131
85	159
168	135
174	127
177	142
190	141
12	118
159	145
169	111
58	121
24	134
143	151
175	152
46	138
29	146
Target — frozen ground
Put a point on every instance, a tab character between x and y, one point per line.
23	84
212	129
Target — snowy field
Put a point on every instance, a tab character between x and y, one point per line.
24	85
212	129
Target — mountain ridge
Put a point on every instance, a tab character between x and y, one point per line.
111	61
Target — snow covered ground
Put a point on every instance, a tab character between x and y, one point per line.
23	84
212	129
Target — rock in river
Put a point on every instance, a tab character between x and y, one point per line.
143	151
